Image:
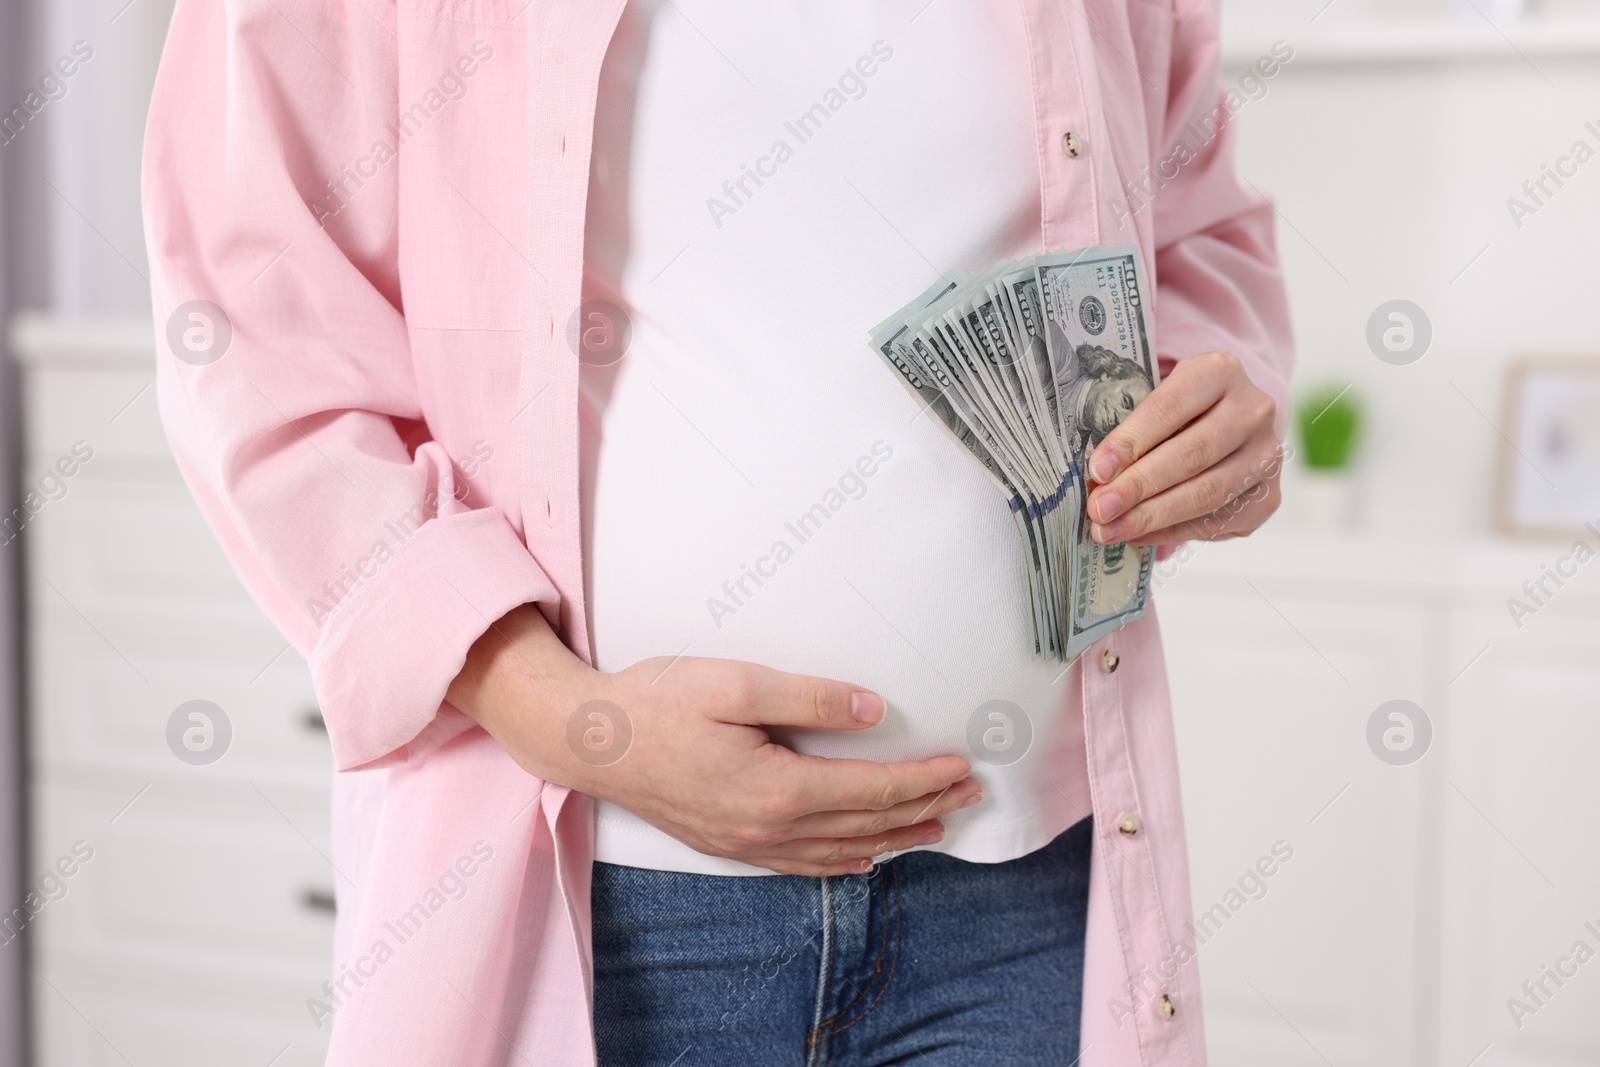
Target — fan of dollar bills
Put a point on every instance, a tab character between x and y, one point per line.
1028	366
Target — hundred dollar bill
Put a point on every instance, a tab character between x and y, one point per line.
1098	342
1027	366
1008	345
1013	345
1021	290
934	390
1001	342
982	320
969	400
948	342
891	339
945	330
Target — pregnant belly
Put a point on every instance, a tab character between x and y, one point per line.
892	569
878	556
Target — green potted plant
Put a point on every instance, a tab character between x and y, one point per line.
1328	421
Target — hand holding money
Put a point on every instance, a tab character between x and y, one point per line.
1028	367
1199	460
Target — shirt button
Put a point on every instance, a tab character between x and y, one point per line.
1165	1008
1110	661
1071	144
1128	823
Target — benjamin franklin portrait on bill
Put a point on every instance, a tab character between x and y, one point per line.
1097	390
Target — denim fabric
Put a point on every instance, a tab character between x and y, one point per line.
927	960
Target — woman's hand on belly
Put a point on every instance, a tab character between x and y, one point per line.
681	743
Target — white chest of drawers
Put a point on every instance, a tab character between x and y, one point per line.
1422	895
201	923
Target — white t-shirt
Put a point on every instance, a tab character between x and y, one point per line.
769	181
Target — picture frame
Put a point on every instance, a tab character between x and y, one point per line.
1548	467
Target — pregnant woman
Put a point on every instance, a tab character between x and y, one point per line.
652	621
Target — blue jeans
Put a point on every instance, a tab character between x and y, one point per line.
927	960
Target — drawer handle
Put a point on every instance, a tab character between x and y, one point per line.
312	720
318	900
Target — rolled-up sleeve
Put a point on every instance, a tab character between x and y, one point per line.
305	441
1218	280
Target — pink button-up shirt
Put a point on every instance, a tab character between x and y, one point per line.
384	200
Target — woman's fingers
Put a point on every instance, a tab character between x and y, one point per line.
773	824
1192	496
1242	515
849	854
1193	387
1190	453
819	784
805	869
844	842
963	794
1208	439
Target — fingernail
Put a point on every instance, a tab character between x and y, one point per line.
1109	533
973	799
930	837
863	866
1108	505
866	707
1105	466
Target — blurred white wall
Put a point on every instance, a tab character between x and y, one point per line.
96	255
1391	146
1425	895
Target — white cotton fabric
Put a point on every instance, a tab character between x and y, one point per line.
756	484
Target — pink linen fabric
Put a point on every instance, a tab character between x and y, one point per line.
385	199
